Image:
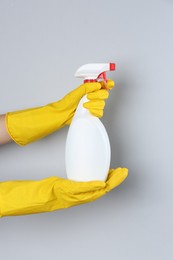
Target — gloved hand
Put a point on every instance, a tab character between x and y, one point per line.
53	193
32	124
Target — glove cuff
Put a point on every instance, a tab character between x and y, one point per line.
29	125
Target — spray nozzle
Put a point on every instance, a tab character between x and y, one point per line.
92	72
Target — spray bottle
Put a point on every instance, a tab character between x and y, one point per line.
88	152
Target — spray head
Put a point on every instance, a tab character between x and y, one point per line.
92	72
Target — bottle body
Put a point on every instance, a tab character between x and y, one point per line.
87	153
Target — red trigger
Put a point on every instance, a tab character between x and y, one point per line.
103	76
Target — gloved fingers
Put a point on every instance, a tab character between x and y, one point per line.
87	196
116	177
74	187
96	112
94	86
95	107
94	104
91	87
98	95
109	84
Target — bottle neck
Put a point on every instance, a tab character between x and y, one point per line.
90	80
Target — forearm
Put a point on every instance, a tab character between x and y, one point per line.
4	136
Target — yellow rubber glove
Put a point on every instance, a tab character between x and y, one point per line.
53	193
32	124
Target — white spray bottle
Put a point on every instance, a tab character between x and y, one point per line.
87	152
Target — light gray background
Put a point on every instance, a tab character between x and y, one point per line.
42	43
